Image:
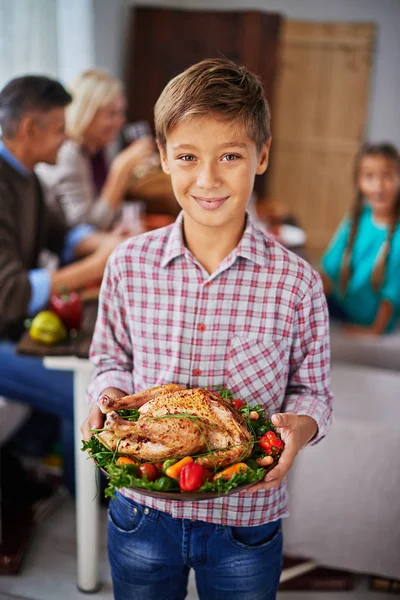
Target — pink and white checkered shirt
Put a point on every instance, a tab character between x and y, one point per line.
258	326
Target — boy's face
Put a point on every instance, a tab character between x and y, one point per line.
212	164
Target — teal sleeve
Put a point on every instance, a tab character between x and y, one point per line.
391	287
332	258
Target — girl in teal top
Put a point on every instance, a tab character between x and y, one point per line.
361	268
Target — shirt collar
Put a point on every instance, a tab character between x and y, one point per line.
13	161
252	246
175	246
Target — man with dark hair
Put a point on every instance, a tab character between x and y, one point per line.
33	129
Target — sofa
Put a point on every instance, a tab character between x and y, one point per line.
345	491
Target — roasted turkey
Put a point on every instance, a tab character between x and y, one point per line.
204	423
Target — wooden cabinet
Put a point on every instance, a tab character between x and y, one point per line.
320	112
163	42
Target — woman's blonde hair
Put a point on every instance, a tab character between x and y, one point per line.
90	91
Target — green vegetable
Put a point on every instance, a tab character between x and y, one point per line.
168	463
225	393
220	485
121	477
129	414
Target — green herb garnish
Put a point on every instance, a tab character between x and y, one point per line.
129	414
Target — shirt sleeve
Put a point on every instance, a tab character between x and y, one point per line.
391	288
332	258
40	280
111	348
73	238
308	391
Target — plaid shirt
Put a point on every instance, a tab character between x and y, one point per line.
258	326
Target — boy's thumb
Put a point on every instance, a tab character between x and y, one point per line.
279	419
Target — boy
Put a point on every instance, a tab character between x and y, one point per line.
211	301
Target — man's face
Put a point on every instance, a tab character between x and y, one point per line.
46	135
212	164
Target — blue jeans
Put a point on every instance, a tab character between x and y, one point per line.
25	379
151	553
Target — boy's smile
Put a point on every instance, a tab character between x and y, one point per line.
212	164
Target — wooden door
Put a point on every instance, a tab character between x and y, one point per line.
164	42
318	122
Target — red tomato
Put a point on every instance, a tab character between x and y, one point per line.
238	403
159	466
149	470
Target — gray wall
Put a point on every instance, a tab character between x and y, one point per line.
384	118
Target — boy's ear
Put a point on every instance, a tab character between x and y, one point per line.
163	158
263	157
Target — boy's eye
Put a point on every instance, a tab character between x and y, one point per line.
230	157
187	157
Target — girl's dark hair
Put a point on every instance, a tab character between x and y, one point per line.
389	152
29	93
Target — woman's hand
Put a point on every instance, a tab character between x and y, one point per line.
358	330
135	154
295	431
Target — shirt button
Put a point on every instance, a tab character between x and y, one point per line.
196	372
208	284
146	511
202	327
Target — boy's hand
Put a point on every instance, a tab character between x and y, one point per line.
295	431
94	420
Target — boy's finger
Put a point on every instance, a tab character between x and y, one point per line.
283	419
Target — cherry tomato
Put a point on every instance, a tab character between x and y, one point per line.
159	467
149	470
238	403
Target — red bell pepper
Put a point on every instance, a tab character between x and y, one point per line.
69	308
191	477
271	444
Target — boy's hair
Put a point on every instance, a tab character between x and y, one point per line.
30	93
389	152
214	86
91	90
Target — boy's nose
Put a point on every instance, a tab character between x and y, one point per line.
207	178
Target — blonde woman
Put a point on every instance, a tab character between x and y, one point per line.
87	189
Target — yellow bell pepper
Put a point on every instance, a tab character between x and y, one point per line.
48	328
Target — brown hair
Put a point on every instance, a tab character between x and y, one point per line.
378	274
214	86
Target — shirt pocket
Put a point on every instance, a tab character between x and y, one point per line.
257	369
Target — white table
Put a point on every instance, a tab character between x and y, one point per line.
87	491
